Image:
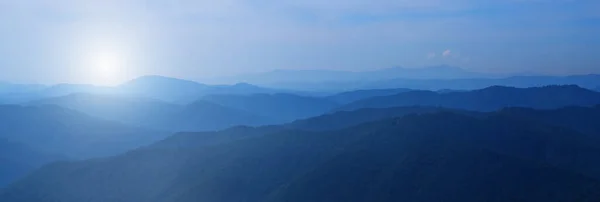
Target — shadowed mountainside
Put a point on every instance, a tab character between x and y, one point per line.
343	119
429	157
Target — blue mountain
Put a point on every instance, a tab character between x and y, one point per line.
440	156
351	96
487	99
157	114
281	106
18	160
66	132
182	91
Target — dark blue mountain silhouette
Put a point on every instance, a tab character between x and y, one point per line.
487	99
439	156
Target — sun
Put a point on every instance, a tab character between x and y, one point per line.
105	67
106	54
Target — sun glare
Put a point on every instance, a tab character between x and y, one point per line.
102	54
105	68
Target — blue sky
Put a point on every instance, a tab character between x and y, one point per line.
109	41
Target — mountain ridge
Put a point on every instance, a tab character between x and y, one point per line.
386	160
487	99
283	107
156	114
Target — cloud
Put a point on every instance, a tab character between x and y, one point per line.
451	54
447	53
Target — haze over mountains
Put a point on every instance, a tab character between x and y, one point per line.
425	78
302	82
279	77
151	113
427	139
70	133
284	107
156	87
299	101
33	136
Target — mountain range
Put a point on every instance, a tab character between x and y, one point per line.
33	136
70	133
156	87
280	107
211	112
508	155
216	112
184	92
487	99
89	143
156	114
220	111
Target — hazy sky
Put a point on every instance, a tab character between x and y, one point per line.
108	41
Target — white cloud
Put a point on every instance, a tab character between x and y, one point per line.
451	54
447	53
